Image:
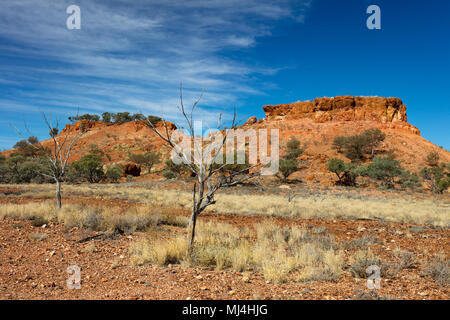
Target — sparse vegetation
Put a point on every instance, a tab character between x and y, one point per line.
114	173
89	168
289	164
439	270
432	159
438	178
356	147
279	253
345	172
384	170
305	206
147	159
87	116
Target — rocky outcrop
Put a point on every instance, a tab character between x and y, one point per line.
344	108
131	169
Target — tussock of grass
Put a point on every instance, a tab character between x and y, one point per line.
160	252
222	246
439	270
171	219
279	253
364	259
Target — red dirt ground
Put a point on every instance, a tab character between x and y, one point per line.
32	269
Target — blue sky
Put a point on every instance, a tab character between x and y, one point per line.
132	56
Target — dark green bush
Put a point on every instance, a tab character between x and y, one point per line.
114	173
153	119
293	149
176	169
358	146
146	159
27	147
346	172
286	168
169	174
339	143
438	178
89	168
87	116
107	117
432	159
410	180
374	138
384	170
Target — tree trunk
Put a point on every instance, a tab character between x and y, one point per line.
192	222
191	232
58	194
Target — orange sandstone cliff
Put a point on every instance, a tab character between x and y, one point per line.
390	111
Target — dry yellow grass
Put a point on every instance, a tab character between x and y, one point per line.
310	206
159	252
135	218
278	253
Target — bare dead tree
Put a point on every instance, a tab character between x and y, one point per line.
208	179
58	153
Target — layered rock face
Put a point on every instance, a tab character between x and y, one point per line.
344	108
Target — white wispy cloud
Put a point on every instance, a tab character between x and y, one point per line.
132	55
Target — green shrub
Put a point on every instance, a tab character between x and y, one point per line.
410	180
339	143
122	117
384	170
356	147
289	164
176	169
432	159
27	148
107	117
87	116
146	160
286	168
231	172
169	174
137	116
4	174
374	138
293	149
31	171
346	172
438	178
114	173
154	119
439	270
89	168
